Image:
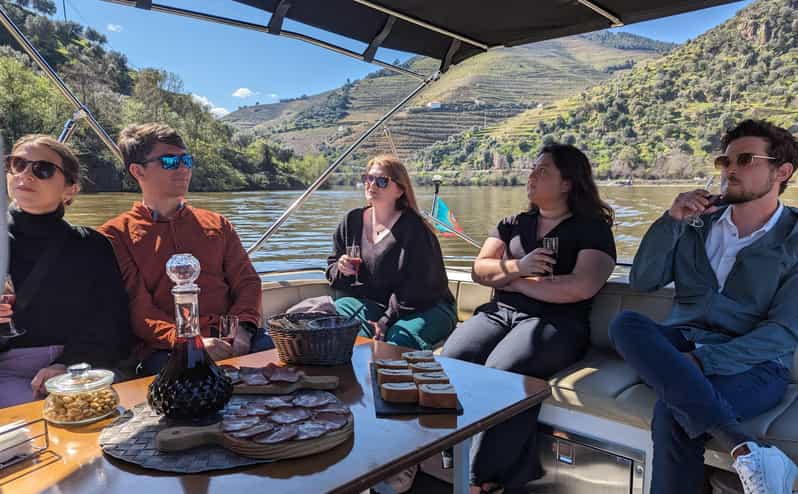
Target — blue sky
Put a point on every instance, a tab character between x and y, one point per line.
228	67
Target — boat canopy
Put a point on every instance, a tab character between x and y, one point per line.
459	29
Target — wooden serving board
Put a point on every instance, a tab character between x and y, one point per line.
175	439
304	382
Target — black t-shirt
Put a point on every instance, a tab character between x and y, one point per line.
519	234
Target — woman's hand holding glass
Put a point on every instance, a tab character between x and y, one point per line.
539	262
345	266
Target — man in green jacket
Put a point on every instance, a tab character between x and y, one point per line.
725	352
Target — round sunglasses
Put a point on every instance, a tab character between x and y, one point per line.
43	170
172	162
381	182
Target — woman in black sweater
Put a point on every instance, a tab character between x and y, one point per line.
71	302
401	293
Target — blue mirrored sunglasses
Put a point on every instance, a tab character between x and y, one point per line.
172	162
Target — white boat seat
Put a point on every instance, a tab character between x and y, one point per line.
602	384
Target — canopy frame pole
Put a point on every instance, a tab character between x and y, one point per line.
614	19
460	235
425	25
330	169
165	9
71	125
51	74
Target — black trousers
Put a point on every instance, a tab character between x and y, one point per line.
498	336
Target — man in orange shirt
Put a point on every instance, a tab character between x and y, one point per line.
162	225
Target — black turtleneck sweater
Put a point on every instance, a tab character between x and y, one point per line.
81	302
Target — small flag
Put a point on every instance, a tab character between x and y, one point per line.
443	214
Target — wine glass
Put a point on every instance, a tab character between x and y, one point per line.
9	296
353	251
695	220
228	328
553	244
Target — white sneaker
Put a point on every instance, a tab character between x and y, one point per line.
765	470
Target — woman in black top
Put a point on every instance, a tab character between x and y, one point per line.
536	324
70	301
403	296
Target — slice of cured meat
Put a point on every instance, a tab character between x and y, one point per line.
310	429
331	421
313	399
286	374
233	425
254	379
257	409
275	402
289	415
336	408
254	431
231	372
278	435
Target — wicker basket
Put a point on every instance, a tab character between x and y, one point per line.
325	340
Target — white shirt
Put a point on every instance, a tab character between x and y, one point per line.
724	242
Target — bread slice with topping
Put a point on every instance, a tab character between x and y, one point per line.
419	356
437	395
394	376
399	392
431	378
385	363
426	367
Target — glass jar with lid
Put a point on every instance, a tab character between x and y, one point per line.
80	396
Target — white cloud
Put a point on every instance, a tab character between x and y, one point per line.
244	92
216	111
115	28
219	112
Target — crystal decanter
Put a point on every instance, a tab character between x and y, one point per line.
190	386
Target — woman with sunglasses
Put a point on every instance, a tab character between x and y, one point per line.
537	323
397	286
70	305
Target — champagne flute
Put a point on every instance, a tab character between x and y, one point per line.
553	244
695	220
353	251
9	296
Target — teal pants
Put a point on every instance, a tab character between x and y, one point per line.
421	330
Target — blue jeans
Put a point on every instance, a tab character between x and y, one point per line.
690	404
153	364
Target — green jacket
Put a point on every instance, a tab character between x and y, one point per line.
754	319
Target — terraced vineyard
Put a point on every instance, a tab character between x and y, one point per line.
477	95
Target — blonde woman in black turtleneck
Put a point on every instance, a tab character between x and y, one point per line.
74	308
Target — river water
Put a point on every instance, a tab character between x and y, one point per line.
305	240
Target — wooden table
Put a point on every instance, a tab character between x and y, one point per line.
379	449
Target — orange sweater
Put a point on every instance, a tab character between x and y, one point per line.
228	282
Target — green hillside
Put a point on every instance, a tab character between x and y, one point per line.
118	96
484	90
664	117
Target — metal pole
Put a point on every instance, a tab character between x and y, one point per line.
26	45
70	126
461	235
166	9
323	178
425	25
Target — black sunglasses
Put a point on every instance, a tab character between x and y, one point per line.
380	182
41	169
743	160
172	162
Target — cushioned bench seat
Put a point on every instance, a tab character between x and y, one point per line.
602	384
